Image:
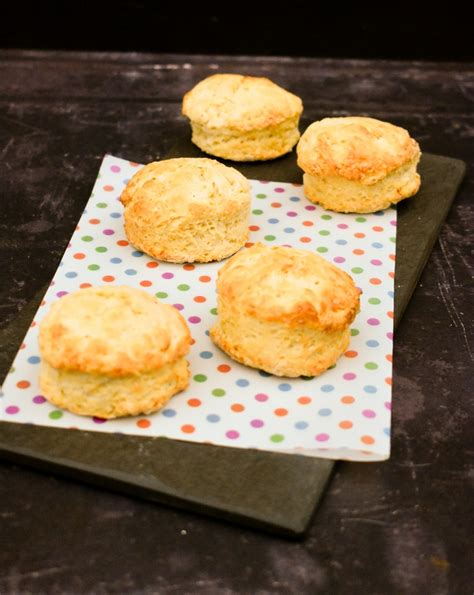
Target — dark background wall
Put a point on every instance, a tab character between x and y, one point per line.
293	27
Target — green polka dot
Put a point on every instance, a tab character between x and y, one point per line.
56	414
87	238
257	212
371	366
324	232
270	238
218	392
354	332
213	311
326	217
374	301
321	249
200	378
261	196
161	294
393	239
277	437
183	287
101	205
357	270
361	219
93	267
11	370
332	367
101	249
307	377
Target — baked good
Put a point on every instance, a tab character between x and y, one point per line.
358	165
187	210
112	351
283	310
243	118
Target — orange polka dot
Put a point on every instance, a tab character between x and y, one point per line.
122	243
223	368
108	188
358	251
276	205
390	314
133	164
187	428
308	223
23	384
77	228
143	423
199	299
79	255
347	400
391	275
204	279
194	402
346	424
33	324
94	221
377	228
305	240
189	267
367	439
388	381
193	341
85	285
43	302
237	408
359	235
281	412
375	281
389	358
146	283
152	264
23	345
392	256
248	244
366	452
304	400
351	354
254	227
108	278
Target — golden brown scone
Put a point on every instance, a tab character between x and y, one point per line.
187	210
112	351
242	118
283	310
358	165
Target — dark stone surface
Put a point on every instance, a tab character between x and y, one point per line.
396	527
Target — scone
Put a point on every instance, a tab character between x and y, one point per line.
242	118
358	165
187	210
283	310
112	351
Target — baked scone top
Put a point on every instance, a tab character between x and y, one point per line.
112	330
185	187
240	103
287	285
356	148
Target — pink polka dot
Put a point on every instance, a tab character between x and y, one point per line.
343	226
194	319
292	214
390	336
61	293
39	399
388	405
376	262
322	437
394	223
178	307
167	275
373	321
349	376
310	208
108	232
12	410
278	189
115	168
339	259
232	434
256	423
261	397
368	413
99	420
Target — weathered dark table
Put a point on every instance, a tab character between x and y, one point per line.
403	526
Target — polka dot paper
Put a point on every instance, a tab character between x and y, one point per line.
344	413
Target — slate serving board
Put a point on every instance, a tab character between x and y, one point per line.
275	492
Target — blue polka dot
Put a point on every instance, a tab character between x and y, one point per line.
284	386
379	213
372	343
213	418
386	431
34	359
61	264
327	388
295	198
115	215
71	275
130	272
116	260
206	354
390	294
264	374
137	253
126	181
242	382
207	333
325	412
341	242
273	220
301	425
289	230
169	412
370	389
377	245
